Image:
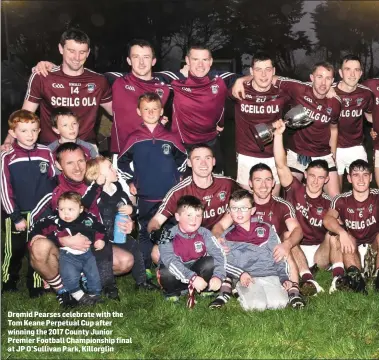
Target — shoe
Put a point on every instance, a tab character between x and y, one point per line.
89	300
310	288
111	292
355	280
10	286
296	301
147	286
220	301
172	298
66	300
36	292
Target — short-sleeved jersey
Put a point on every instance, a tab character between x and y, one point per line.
83	94
373	85
198	107
257	108
360	218
215	198
125	91
353	107
276	212
309	211
312	140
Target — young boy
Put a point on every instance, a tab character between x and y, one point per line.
26	173
263	283
71	220
190	256
158	159
66	124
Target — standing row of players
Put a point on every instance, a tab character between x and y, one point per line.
198	104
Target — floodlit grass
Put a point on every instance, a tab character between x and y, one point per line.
342	325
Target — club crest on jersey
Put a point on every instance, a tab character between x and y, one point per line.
274	97
270	215
87	222
370	209
261	231
43	167
319	210
91	87
222	195
347	101
359	101
166	149
198	246
159	92
214	89
329	110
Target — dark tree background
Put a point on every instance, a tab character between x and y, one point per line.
231	28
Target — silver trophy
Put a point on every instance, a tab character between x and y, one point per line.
295	118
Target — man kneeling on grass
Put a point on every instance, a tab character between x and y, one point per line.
263	283
190	256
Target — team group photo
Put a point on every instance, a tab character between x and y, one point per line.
188	179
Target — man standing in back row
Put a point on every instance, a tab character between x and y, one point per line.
70	85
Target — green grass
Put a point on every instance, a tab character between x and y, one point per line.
342	325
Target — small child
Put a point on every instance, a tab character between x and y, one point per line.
112	200
263	283
70	221
27	176
190	256
66	124
151	162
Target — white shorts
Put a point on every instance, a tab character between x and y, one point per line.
294	164
265	293
345	156
245	163
309	252
376	158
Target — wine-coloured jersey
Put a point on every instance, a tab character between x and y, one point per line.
83	94
373	85
353	107
257	108
215	198
275	212
309	211
199	104
125	91
359	217
312	140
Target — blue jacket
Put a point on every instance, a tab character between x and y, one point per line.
152	161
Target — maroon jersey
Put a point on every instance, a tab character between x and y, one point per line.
353	107
360	218
276	212
198	107
309	211
126	90
312	140
215	198
255	235
83	94
373	85
257	108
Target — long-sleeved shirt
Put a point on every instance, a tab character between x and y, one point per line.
178	251
26	177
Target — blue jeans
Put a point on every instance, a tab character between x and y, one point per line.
71	266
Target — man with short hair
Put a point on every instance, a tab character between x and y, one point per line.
356	99
70	85
353	216
213	191
44	255
317	248
263	103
